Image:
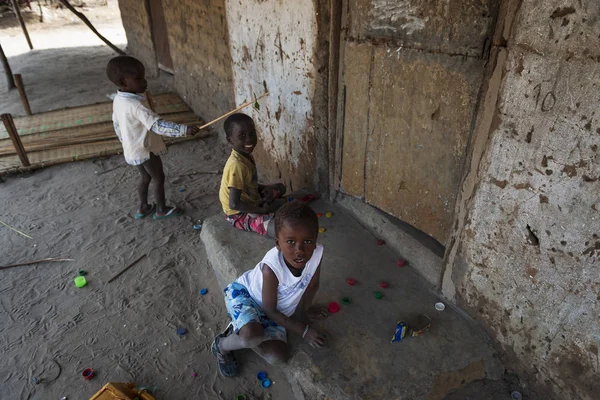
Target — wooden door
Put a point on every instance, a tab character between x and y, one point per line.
160	36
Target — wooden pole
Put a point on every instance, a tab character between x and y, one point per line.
233	111
10	81
125	269
22	94
9	124
89	24
22	22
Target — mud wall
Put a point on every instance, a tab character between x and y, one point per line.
412	74
199	42
136	22
527	260
281	47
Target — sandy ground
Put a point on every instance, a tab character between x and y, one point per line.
125	330
66	67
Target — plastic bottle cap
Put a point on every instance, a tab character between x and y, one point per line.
329	214
181	331
333	307
197	227
378	295
351	282
82	272
319	215
266	382
181	190
321	230
516	395
241	397
380	242
203	291
440	306
346	300
384	284
290	199
88	374
194	374
261	375
80	281
401	262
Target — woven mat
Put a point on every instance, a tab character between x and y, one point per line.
55	137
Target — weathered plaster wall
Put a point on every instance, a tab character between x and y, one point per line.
412	74
136	22
526	263
199	42
279	47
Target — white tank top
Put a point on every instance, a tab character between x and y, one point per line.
291	288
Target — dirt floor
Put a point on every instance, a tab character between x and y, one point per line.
66	67
125	330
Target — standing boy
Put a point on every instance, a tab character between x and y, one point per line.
247	205
138	129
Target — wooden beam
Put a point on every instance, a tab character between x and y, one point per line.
10	81
22	22
22	94
89	24
9	124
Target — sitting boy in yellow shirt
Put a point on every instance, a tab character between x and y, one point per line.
248	205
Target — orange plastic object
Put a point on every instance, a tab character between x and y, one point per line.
120	391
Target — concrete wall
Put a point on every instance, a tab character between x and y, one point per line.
412	74
280	47
526	260
136	22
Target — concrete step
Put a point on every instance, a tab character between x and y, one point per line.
359	362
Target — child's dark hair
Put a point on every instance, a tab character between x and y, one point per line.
296	212
122	66
235	119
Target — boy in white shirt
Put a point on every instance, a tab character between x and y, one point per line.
262	300
138	129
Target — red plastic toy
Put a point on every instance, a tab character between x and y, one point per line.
401	262
333	307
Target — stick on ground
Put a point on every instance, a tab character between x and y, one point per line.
125	269
52	259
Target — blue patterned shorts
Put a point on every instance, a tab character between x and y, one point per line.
242	309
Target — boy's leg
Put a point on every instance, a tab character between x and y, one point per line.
143	185
154	167
275	352
249	336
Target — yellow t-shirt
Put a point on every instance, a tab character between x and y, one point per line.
239	173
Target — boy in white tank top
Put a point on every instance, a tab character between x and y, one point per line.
262	300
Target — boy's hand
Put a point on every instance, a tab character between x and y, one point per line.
316	313
314	338
192	130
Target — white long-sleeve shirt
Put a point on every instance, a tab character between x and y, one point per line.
139	128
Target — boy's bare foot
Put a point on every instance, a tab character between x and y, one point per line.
225	359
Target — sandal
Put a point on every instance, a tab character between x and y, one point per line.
144	215
173	212
225	359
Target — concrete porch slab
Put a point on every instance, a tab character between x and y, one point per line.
359	362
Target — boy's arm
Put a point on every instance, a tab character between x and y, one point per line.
317	313
236	203
171	129
269	300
